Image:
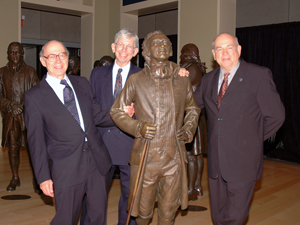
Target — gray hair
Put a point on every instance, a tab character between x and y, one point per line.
236	40
42	50
127	33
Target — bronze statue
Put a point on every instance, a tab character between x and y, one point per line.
167	118
106	60
190	60
15	79
73	66
96	64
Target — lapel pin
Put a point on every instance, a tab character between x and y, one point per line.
240	79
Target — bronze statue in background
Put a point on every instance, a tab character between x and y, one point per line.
96	64
15	79
104	61
190	60
167	118
73	66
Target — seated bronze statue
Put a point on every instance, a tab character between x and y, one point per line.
190	60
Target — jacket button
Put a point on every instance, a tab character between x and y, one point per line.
220	119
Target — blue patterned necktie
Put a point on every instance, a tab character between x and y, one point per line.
69	100
118	85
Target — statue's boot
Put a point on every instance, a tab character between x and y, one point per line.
14	160
200	165
192	174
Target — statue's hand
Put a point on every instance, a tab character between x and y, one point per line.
129	109
148	131
183	72
182	135
16	108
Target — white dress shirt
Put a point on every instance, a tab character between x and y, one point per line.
124	74
230	77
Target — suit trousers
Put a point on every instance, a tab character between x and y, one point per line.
230	201
68	200
125	182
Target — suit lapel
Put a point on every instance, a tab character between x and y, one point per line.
50	98
237	80
107	87
131	71
81	97
215	82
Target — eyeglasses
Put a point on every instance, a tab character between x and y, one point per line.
53	57
128	48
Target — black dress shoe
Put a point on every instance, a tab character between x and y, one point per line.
15	181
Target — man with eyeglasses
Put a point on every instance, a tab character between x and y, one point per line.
60	115
103	82
15	79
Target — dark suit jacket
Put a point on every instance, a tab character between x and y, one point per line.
53	134
118	143
251	111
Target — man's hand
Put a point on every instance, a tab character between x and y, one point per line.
182	135
183	72
129	109
47	188
148	131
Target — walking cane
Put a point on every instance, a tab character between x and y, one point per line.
141	165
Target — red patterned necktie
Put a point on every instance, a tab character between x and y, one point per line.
223	88
118	85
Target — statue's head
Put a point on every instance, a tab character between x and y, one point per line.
15	53
106	60
189	51
157	47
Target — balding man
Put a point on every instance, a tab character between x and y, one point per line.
60	115
243	109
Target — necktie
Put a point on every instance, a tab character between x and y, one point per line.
118	85
223	88
69	100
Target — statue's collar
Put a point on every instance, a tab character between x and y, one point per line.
164	71
15	69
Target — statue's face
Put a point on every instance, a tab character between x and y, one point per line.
159	47
15	55
183	58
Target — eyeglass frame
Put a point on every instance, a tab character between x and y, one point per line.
56	55
129	48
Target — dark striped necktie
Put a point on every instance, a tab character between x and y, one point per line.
69	100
